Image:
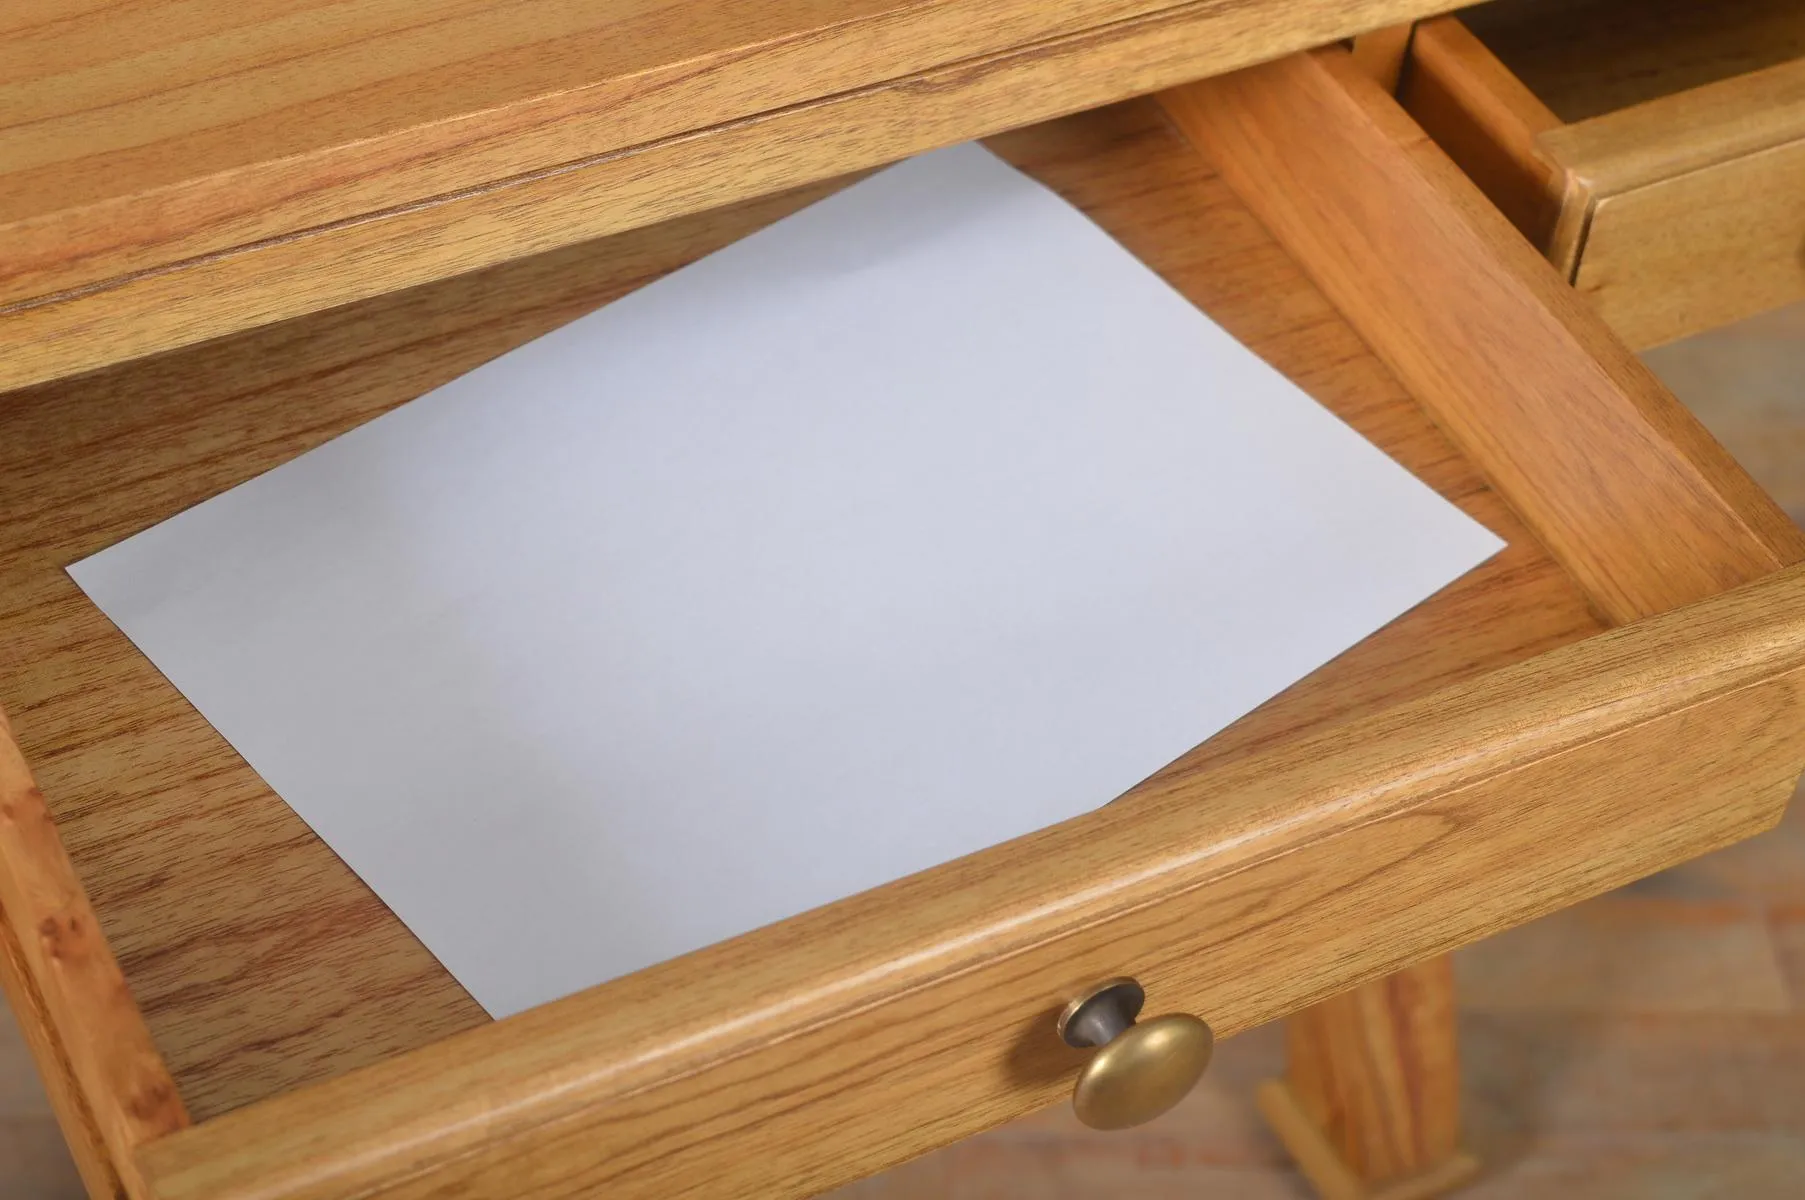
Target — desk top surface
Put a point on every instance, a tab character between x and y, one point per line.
140	134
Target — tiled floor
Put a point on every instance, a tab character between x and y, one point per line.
33	1162
1647	1045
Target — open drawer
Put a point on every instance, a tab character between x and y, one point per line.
1655	149
1494	755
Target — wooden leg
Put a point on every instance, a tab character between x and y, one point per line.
1370	1103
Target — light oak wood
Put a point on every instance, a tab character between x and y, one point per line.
1487	121
1383	52
1695	205
1670	193
1610	471
1377	1070
249	989
252	990
249	121
1701	250
185	175
1691	131
109	1088
1659	1017
1320	1160
1338	361
1372	1075
1323	1165
863	1033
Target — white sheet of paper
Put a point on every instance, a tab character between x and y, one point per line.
920	520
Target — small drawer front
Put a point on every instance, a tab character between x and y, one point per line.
811	1052
1672	215
1699	249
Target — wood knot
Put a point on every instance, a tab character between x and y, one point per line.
152	1100
33	797
58	934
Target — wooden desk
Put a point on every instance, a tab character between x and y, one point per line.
1487	759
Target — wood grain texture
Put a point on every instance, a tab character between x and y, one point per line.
1585	58
1638	1044
1377	1072
1692	206
94	1165
248	988
251	413
286	116
1382	53
110	1089
1700	250
1647	1042
1319	1160
1300	141
1487	121
252	162
1641	506
857	1035
1687	132
322	374
1671	195
1323	1165
252	990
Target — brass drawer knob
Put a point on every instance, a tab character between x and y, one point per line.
1139	1070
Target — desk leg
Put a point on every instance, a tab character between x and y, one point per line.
1370	1103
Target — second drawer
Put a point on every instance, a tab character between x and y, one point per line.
1655	151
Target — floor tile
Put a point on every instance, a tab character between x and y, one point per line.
1629	954
34	1165
21	1095
1647	1046
1530	1077
1766	869
1665	1169
1074	1169
1787	928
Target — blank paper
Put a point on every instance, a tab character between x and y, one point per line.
922	519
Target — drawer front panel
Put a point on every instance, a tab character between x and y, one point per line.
1674	214
1699	250
824	1048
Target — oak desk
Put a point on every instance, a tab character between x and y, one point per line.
231	232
